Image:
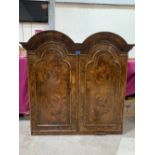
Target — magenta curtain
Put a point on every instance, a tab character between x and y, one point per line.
23	86
130	88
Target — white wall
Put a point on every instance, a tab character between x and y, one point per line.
116	2
132	53
81	20
27	30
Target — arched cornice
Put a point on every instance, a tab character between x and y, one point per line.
49	36
107	38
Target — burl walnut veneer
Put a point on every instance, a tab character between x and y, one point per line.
77	88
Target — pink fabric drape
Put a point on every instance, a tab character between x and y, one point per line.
23	86
130	88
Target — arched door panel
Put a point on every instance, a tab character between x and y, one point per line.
53	73
101	76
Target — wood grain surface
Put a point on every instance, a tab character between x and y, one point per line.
77	92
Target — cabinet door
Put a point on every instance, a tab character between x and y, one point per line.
102	90
52	76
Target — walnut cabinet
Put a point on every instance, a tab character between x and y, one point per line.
76	88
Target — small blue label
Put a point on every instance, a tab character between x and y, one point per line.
77	52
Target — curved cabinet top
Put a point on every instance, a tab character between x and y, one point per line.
58	37
106	38
49	36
